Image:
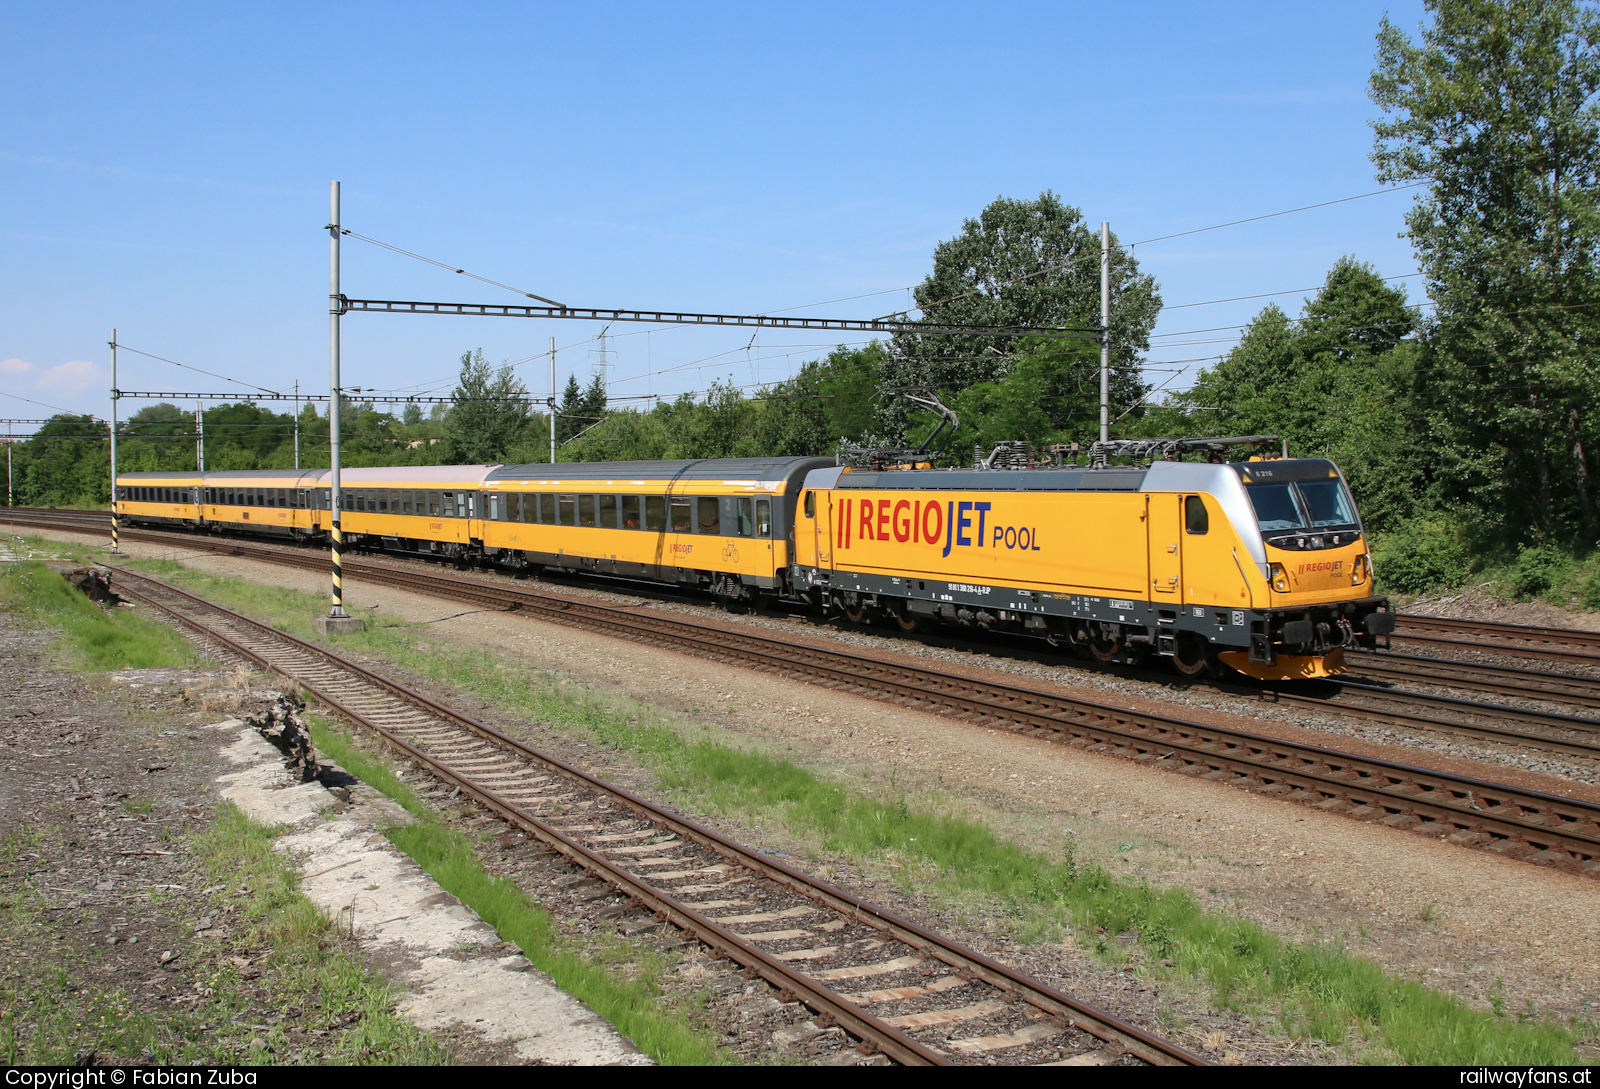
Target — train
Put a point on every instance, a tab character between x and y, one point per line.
1259	566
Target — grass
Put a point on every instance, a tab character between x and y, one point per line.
631	1004
1318	990
92	639
305	973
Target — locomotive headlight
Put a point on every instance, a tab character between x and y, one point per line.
1280	579
1358	574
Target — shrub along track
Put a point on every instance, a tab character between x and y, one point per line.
931	1000
1533	825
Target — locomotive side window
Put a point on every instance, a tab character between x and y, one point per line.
763	517
682	517
1195	519
655	513
709	517
586	510
811	504
567	505
607	511
630	512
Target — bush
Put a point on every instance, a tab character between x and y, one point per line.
1420	555
1537	570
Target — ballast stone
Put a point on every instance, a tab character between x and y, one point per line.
403	918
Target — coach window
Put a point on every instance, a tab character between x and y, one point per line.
586	510
547	508
567	510
630	512
763	517
1195	519
655	513
745	526
681	513
433	503
708	518
608	511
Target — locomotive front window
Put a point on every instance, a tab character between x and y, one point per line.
1328	503
1308	505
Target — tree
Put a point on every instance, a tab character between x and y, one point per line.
1023	262
412	415
828	400
1494	109
488	414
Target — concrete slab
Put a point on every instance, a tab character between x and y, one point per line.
446	957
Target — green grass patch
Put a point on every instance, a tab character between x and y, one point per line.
304	972
1317	990
632	1004
92	639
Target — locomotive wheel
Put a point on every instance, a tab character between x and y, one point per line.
857	613
1190	657
1104	650
910	622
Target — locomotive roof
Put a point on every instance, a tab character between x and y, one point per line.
1020	480
702	469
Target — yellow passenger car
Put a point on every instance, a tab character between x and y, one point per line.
276	502
724	524
1259	565
158	499
414	508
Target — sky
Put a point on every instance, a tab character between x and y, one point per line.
164	171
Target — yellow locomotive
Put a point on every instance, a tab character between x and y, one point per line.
1259	565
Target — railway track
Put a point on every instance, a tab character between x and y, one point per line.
895	987
1520	640
1542	827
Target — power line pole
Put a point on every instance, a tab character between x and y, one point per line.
552	400
1105	332
199	435
297	424
115	551
337	619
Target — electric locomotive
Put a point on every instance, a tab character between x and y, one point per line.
1258	565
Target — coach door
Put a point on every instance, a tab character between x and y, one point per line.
1166	547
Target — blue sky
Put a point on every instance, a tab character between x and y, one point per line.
164	170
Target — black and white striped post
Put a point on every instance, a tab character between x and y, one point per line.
337	621
115	549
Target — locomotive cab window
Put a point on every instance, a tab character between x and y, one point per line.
811	504
1195	518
